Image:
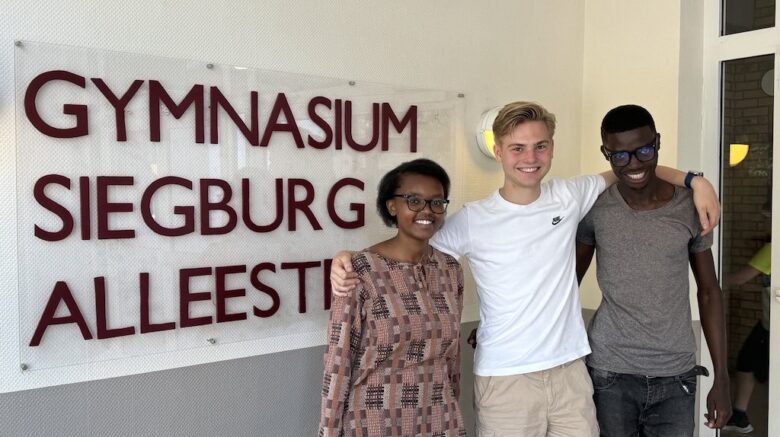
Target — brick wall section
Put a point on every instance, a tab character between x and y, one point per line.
747	112
764	15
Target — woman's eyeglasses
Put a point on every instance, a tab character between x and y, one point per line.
622	158
417	204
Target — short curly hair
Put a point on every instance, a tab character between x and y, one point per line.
392	180
625	118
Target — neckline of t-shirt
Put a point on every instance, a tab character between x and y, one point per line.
505	203
668	204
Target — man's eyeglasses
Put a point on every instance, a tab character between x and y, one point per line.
642	154
417	204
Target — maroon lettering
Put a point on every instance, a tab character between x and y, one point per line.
224	293
206	207
104	207
302	205
158	95
358	208
61	293
339	135
39	192
86	219
79	112
301	267
246	214
146	325
119	104
254	277
185	297
281	106
410	119
218	100
320	122
374	128
101	314
188	212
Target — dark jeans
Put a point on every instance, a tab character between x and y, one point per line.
635	405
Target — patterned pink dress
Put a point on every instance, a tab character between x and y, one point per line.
392	361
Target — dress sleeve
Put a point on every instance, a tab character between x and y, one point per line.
345	330
454	367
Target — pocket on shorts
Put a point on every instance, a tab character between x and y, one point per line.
483	386
602	379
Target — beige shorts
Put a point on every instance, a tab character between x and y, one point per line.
552	402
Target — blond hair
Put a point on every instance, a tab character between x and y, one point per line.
516	113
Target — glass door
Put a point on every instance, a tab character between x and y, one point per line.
747	118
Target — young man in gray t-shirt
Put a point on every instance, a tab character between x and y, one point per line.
645	232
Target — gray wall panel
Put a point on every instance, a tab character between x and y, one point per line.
269	395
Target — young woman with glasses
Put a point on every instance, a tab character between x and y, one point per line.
392	361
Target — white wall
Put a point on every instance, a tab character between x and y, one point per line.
493	55
515	49
631	55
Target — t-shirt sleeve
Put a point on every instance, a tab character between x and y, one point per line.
587	189
762	260
585	232
700	243
453	237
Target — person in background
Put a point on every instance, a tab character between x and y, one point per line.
392	359
645	233
753	358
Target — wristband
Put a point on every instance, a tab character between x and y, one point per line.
689	177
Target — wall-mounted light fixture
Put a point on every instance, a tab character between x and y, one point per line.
485	138
768	82
737	153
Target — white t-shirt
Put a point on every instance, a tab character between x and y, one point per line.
522	258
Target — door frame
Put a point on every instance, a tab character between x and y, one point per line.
702	52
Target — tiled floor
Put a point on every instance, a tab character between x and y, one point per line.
757	412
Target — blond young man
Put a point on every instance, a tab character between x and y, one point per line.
530	379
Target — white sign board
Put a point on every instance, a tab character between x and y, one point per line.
174	212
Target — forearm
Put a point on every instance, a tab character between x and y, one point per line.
714	327
671	175
742	275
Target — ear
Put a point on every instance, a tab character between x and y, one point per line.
390	205
658	142
497	152
552	147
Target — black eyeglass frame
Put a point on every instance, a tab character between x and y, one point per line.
608	154
428	203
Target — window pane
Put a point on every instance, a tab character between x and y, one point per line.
745	15
746	168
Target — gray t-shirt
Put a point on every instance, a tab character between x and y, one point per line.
643	325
